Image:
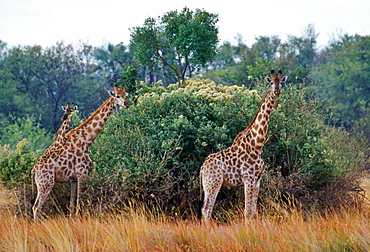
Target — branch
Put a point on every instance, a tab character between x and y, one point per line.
165	62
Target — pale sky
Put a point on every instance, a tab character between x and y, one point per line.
96	22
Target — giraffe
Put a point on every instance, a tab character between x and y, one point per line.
70	162
59	137
64	127
241	163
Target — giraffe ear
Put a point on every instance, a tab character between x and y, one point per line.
268	79
111	93
75	107
284	79
64	108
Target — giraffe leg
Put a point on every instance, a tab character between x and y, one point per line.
82	171
248	194
79	190
76	188
43	192
211	189
74	197
256	189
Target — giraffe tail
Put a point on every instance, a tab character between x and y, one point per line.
200	201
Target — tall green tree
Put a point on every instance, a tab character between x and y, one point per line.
112	59
42	80
342	80
242	65
230	64
179	42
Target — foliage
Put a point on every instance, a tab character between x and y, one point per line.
129	79
16	167
242	65
112	59
45	78
311	165
295	141
37	81
181	41
342	80
25	128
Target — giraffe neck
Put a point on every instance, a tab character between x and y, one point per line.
255	133
62	131
86	133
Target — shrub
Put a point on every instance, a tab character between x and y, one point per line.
25	128
15	168
310	163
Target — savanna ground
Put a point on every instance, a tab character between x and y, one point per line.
143	230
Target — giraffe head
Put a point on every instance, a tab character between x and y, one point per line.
276	81
68	110
119	96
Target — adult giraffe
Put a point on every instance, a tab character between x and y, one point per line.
241	163
71	161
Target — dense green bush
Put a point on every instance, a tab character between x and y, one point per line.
308	162
15	168
24	128
22	142
300	141
295	143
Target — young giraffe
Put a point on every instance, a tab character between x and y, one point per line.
63	129
241	163
71	161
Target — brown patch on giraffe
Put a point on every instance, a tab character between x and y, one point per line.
253	133
253	142
259	117
79	153
253	156
260	140
265	128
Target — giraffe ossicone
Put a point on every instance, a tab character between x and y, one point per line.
241	163
69	160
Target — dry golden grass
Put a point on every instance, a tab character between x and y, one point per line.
8	197
144	231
